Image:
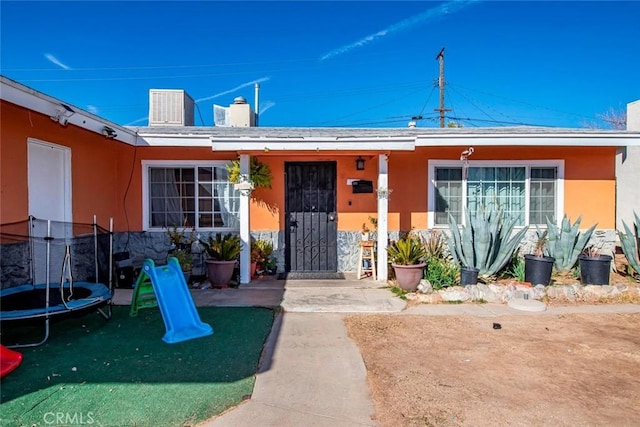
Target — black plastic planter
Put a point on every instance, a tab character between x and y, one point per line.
538	269
595	270
468	276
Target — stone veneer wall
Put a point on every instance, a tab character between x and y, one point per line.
155	245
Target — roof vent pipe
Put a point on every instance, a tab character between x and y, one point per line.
257	86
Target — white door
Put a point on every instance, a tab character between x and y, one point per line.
49	187
49	181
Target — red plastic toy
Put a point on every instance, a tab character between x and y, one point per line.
9	360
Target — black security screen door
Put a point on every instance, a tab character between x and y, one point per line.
310	228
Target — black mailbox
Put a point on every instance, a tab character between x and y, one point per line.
362	186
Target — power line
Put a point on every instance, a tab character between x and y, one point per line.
523	102
373	107
496	121
470	102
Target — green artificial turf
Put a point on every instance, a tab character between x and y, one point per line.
120	372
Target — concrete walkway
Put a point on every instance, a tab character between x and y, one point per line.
311	373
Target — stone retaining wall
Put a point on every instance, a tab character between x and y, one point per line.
498	293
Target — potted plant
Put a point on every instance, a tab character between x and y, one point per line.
364	233
181	237
259	173
223	253
595	267
408	259
261	251
538	266
183	257
566	243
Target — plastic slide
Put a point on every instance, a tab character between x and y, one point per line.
9	360
178	310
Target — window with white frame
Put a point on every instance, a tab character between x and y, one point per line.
528	192
198	194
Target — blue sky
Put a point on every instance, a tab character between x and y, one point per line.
333	63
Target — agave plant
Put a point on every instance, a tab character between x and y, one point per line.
435	246
485	242
566	243
630	243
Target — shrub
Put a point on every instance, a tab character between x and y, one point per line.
441	273
516	269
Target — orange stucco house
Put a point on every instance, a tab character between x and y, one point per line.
61	162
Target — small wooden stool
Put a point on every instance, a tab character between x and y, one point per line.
366	253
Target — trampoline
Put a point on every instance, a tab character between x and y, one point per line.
51	270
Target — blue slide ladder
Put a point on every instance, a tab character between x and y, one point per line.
165	286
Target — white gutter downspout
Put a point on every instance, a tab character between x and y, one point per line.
383	213
245	236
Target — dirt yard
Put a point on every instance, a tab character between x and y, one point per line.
536	370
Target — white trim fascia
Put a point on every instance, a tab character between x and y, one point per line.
275	144
33	100
173	140
313	144
551	140
432	164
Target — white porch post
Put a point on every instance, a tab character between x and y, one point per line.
245	236
383	223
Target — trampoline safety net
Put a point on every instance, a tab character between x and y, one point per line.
33	249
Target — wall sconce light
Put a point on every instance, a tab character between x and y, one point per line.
109	132
359	164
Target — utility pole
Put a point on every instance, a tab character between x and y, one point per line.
440	59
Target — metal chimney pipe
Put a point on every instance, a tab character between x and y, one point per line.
257	86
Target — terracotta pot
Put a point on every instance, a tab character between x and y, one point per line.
254	265
409	276
220	273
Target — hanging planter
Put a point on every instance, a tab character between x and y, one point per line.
259	173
